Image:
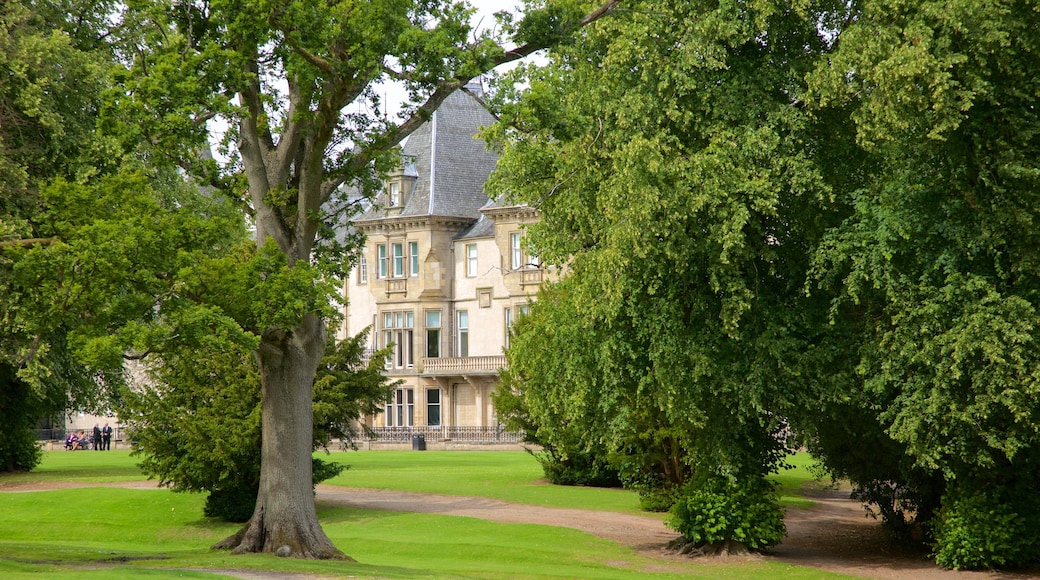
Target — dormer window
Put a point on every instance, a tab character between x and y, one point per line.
395	194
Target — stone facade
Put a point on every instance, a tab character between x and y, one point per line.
442	277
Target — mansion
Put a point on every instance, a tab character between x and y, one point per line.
442	276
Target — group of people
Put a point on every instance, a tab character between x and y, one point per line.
101	440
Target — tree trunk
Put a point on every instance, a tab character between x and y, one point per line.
285	521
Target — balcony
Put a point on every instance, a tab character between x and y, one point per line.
463	365
398	286
529	277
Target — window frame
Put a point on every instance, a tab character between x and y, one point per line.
433	335
507	312
383	267
471	260
400	409
516	252
431	404
462	323
398	329
362	270
397	255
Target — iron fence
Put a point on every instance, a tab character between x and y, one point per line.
488	434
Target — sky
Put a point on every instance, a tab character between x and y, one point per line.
394	96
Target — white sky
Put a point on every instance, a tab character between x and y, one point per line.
483	18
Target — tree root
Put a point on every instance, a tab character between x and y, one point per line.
727	548
253	538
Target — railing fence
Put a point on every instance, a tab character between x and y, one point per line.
487	434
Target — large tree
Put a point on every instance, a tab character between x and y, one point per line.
54	65
677	176
298	86
824	211
936	271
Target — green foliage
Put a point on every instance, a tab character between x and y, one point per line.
820	215
18	449
346	389
672	170
934	271
718	511
576	468
54	64
659	498
986	529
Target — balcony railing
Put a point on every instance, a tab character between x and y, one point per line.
487	434
484	365
530	277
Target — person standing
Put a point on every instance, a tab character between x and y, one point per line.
106	437
97	437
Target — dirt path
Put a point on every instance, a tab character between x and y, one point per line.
834	535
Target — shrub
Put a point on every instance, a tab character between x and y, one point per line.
234	502
719	511
659	499
577	469
981	530
235	498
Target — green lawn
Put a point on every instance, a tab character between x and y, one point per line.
509	476
126	533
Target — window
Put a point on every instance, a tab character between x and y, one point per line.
433	407
433	333
398	331
517	260
395	194
471	260
362	269
398	250
381	258
463	333
521	310
509	323
400	411
413	257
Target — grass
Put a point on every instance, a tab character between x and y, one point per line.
510	476
81	467
132	533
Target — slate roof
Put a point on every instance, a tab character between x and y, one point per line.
484	227
450	162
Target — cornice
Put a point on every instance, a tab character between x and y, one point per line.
411	222
511	210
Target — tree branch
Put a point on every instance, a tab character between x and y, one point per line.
532	47
310	57
394	136
28	242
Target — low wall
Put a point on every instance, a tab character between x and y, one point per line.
59	445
